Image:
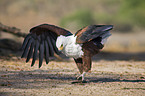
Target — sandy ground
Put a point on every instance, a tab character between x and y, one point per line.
108	78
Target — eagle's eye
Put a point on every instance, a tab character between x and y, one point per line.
61	45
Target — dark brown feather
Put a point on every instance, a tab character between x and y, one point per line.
49	28
79	64
91	32
79	32
92	48
87	61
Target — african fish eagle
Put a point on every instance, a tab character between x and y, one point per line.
45	39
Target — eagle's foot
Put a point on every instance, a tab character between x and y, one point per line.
81	77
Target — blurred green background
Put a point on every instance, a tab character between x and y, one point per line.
127	16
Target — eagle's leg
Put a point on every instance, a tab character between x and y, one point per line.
87	63
79	64
84	66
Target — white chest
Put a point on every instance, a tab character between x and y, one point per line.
73	50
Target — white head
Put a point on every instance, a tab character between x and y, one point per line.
60	42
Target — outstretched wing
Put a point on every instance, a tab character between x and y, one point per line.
42	40
91	32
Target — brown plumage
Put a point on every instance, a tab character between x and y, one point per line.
42	39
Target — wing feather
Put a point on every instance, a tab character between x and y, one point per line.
91	32
41	53
25	41
27	47
54	46
53	36
51	51
46	52
42	40
30	51
35	52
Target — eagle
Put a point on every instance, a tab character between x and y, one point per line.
45	40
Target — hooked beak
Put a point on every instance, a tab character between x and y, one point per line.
60	48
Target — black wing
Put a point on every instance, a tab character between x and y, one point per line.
41	41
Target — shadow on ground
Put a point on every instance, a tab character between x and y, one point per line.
44	79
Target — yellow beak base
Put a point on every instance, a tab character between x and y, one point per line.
60	48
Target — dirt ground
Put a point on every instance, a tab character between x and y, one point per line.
108	78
